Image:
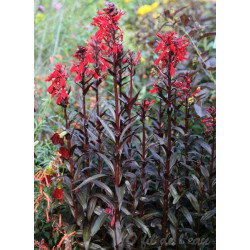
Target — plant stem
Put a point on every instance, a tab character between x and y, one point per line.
71	166
167	166
186	138
143	180
86	139
117	144
210	178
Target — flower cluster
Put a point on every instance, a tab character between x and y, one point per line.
58	194
210	122
109	31
133	61
90	60
173	50
58	85
183	88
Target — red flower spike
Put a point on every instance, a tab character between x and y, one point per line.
64	153
107	22
170	45
58	85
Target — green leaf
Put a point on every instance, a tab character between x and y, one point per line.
82	199
104	199
174	194
141	225
108	162
98	223
178	129
149	216
86	236
199	110
193	201
90	179
91	207
205	146
94	246
106	127
172	218
204	172
120	194
68	199
188	216
105	187
126	128
208	215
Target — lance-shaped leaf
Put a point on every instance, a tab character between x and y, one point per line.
108	130
188	216
193	201
90	179
156	156
120	191
104	199
109	107
98	223
108	162
174	194
172	218
199	111
68	199
86	236
104	187
205	146
208	215
91	207
126	128
141	225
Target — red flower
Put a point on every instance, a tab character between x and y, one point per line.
147	104
210	122
155	89
56	139
110	211
171	46
144	106
58	194
57	87
64	153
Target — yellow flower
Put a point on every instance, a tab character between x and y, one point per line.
147	8
40	17
191	100
155	5
143	60
144	10
127	1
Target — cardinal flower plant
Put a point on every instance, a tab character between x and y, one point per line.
130	166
